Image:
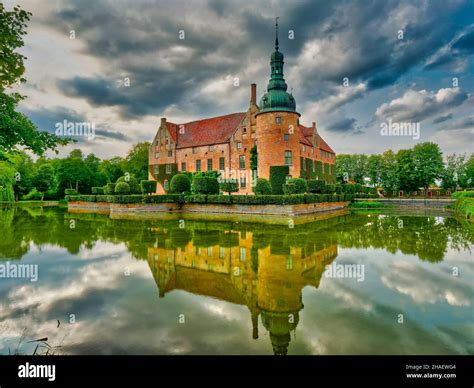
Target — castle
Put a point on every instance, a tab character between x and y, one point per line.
271	130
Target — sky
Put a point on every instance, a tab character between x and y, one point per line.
352	66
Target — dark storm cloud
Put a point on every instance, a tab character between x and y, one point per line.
343	125
354	39
442	119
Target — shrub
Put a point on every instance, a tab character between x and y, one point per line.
137	198
109	188
101	198
205	185
98	190
278	176
262	187
165	198
219	198
195	198
338	189
316	186
229	186
122	188
180	183
464	206
358	188
33	195
329	189
313	198
348	188
70	192
295	186
366	205
148	187
132	183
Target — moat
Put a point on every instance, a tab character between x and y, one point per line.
188	286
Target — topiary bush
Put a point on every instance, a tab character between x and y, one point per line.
295	186
316	186
109	188
180	183
70	192
148	187
122	188
98	190
132	183
229	186
205	185
262	187
278	176
329	189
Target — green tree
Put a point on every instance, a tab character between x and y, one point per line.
429	166
113	168
389	179
15	128
136	162
374	169
44	179
454	171
406	171
468	180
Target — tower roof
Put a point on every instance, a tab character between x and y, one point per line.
277	98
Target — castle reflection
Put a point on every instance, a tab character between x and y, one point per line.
268	281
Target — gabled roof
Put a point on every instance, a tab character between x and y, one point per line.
216	130
307	133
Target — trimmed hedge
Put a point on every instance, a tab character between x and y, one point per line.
262	187
219	198
180	183
329	189
98	190
166	198
295	186
195	198
463	194
205	185
229	186
70	192
122	188
278	176
316	186
148	187
109	188
132	183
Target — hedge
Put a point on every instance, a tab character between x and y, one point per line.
262	187
295	186
219	198
70	192
462	194
98	190
148	187
132	183
329	189
122	188
316	186
278	176
180	183
195	198
205	185
165	198
133	198
229	186
109	188
464	207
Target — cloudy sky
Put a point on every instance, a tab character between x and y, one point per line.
351	65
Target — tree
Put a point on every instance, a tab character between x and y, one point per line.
468	181
374	169
406	171
229	186
136	162
44	179
428	160
454	172
113	168
15	128
388	172
7	174
262	187
24	171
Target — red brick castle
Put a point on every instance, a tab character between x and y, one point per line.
224	143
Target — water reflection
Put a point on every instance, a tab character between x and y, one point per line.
264	268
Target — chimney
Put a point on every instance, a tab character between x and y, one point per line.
253	94
314	126
163	121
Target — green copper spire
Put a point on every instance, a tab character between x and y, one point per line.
276	98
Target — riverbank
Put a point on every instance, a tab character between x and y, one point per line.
411	202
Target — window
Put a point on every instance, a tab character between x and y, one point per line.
242	162
211	148
170	153
183	166
320	154
303	148
243	254
221	164
278	120
156	169
166	185
322	167
286	137
198	165
243	182
168	169
157	155
239	145
209	251
312	150
289	263
209	164
245	130
198	251
195	150
288	157
303	164
221	252
313	166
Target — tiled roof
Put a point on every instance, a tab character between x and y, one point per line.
216	130
308	132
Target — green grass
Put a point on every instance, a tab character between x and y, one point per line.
367	205
464	207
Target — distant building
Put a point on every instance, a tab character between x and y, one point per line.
224	143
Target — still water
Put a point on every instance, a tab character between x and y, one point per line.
396	284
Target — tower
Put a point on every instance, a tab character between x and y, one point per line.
277	133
